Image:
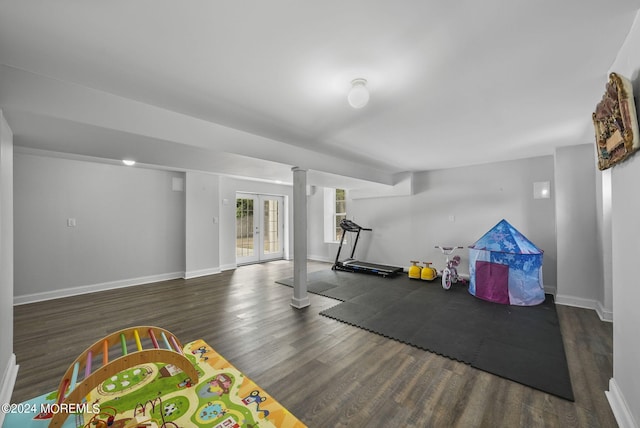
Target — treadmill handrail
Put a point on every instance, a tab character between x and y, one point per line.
350	226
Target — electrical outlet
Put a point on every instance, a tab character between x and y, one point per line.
71	222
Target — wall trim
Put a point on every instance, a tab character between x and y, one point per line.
579	302
603	313
230	266
619	406
92	288
8	382
201	272
321	258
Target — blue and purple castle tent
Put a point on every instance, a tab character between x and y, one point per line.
505	267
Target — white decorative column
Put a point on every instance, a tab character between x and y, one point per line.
300	298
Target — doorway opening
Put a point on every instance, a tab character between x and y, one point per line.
259	228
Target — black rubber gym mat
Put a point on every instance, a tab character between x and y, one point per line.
523	344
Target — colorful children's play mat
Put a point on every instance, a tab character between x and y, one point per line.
161	396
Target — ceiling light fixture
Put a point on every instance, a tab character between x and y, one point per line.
359	94
128	162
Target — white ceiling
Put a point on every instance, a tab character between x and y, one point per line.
253	88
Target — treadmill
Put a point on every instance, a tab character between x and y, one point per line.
352	265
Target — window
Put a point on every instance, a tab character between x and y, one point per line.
340	211
335	209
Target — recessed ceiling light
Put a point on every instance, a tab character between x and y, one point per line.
128	162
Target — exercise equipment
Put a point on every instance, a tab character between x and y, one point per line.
352	265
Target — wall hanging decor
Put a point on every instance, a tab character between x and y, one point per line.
616	123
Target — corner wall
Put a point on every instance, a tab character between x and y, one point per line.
202	245
624	387
8	367
456	207
129	227
624	391
580	277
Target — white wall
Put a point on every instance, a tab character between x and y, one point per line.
129	226
451	207
626	289
317	248
8	367
228	188
603	218
580	277
202	249
624	393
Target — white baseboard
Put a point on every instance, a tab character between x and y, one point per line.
230	266
8	382
579	302
300	303
619	406
603	313
201	272
320	258
92	288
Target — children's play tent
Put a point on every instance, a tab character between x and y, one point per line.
505	267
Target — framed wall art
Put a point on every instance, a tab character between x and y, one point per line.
616	123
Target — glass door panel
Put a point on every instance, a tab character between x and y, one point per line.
259	228
246	225
272	227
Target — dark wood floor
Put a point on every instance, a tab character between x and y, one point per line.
326	373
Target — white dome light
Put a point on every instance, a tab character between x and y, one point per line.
359	94
128	162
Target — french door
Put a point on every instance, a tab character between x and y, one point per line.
259	228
